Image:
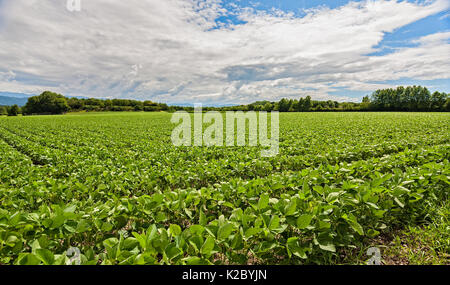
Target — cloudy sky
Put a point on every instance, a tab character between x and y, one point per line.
223	52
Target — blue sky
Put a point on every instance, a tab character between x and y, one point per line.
401	37
223	52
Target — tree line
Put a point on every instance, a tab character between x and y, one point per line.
53	103
13	110
411	98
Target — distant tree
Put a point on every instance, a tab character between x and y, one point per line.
107	104
283	105
94	102
411	98
319	107
307	105
13	110
292	105
139	107
75	103
447	104
300	105
276	106
365	105
154	108
347	106
47	103
423	98
3	110
438	101
324	105
268	107
164	107
150	103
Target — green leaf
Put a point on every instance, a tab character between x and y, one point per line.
305	188
237	242
225	231
58	221
357	227
70	209
208	246
141	239
110	242
252	231
304	221
45	255
172	251
28	259
158	198
202	219
353	222
328	247
399	202
175	230
274	223
318	189
325	241
291	207
106	227
263	201
294	248
194	260
82	226
130	243
160	217
196	229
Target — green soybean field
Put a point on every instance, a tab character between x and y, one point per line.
115	188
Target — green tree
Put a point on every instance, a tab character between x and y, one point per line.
438	101
3	110
447	104
283	105
13	110
47	103
300	105
411	98
365	105
163	106
268	107
291	106
423	98
307	105
75	103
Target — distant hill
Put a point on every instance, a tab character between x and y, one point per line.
15	95
203	105
20	99
9	101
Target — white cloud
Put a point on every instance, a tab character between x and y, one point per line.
7	76
173	50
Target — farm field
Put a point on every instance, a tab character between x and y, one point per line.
113	186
